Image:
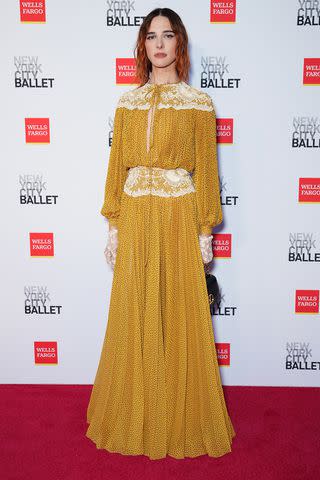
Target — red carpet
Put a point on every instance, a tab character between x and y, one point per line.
43	437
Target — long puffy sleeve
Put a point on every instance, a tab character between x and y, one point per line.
205	175
116	173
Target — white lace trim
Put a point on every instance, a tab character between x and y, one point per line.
205	242
180	96
110	251
162	182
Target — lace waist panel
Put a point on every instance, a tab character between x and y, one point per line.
163	182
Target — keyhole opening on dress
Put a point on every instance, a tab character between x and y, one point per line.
150	125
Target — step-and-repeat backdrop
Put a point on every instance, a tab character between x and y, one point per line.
64	66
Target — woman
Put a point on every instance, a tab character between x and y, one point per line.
157	389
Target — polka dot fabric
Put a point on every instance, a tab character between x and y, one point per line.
157	389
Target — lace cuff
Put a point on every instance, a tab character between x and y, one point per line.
206	247
111	247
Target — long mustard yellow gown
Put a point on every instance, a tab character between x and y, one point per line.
157	389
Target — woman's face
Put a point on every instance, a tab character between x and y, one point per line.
161	42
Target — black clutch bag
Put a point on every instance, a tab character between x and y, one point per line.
214	295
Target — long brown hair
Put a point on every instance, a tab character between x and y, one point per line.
143	64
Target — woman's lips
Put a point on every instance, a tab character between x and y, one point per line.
160	55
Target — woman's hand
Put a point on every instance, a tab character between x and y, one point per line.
112	245
206	247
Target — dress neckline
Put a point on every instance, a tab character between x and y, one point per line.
164	84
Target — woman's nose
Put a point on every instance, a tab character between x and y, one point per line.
159	43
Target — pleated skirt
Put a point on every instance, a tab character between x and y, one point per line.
157	390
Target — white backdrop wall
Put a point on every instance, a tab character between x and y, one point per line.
68	62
